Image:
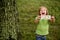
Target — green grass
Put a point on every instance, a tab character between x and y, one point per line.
28	10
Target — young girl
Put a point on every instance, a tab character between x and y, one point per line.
42	19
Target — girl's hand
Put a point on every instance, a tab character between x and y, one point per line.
52	18
37	19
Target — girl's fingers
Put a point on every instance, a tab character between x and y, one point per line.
52	17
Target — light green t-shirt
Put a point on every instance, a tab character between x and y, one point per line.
43	25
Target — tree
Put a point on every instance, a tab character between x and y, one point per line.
9	20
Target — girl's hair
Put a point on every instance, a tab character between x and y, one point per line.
45	8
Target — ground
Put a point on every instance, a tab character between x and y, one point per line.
28	10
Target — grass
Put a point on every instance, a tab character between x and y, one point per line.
28	10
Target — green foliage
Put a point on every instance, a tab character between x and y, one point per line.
28	9
20	25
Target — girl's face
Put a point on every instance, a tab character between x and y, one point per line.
43	11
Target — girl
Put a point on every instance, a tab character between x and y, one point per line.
43	26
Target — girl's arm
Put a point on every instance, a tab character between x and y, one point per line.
37	19
52	19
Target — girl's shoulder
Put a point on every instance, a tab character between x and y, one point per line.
38	16
48	15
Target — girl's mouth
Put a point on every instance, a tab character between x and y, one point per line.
43	13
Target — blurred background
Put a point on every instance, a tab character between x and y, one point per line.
17	19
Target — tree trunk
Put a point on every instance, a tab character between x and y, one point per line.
9	20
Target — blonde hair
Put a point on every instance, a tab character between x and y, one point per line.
41	8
